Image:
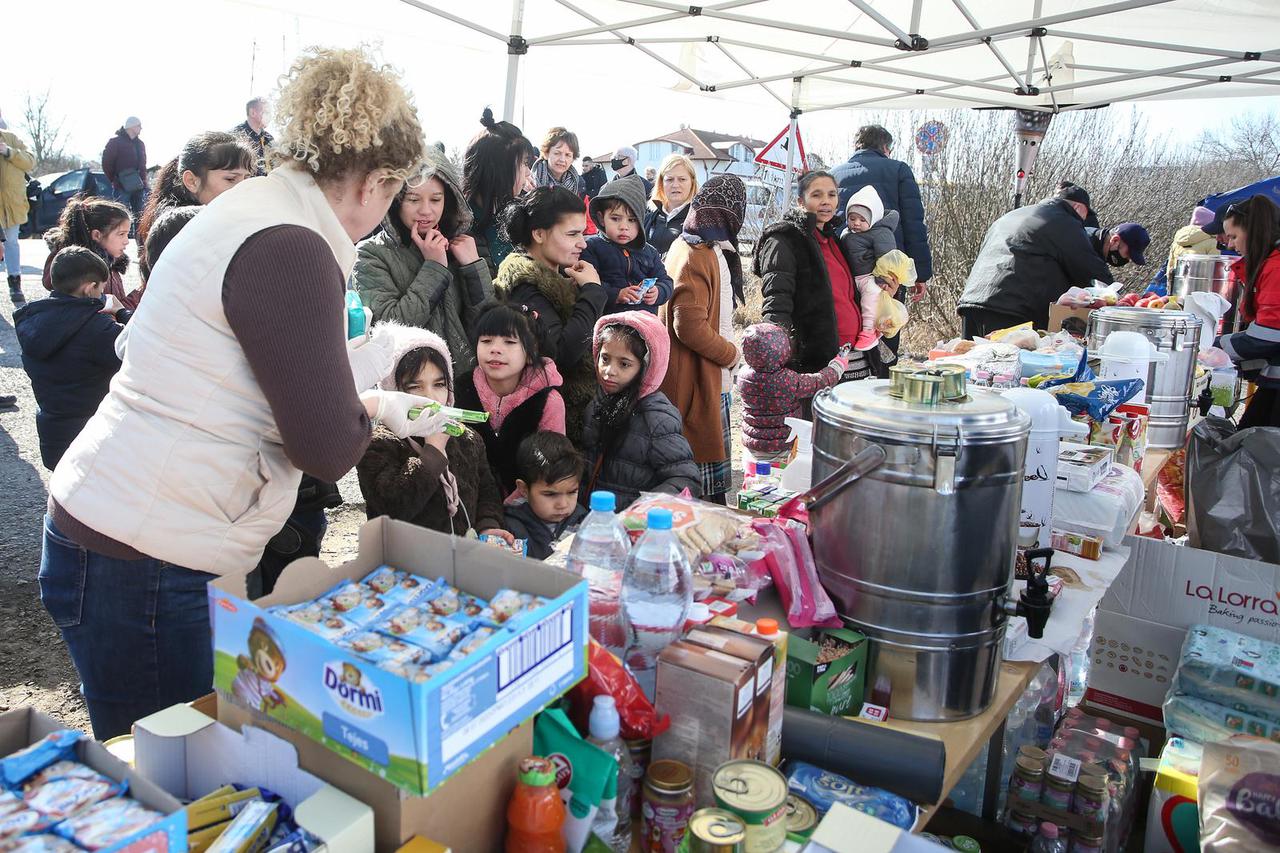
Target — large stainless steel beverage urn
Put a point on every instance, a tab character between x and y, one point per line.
915	520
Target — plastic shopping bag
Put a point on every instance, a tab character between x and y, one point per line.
1233	490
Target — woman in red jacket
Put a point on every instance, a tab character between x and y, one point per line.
1253	229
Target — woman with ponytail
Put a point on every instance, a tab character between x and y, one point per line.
546	275
210	164
496	169
102	227
1253	229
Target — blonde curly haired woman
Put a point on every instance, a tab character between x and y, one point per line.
236	380
674	188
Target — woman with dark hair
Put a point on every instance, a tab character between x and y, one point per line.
555	165
1252	228
495	170
423	269
101	226
807	283
565	293
210	164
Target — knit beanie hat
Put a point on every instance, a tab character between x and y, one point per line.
1201	216
716	212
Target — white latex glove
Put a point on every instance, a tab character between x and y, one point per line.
393	413
372	358
120	341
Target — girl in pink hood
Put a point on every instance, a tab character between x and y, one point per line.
513	383
633	437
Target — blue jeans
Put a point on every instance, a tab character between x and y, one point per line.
138	630
12	252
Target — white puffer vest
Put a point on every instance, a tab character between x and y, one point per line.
183	460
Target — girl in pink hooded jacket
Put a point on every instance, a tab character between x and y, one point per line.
772	392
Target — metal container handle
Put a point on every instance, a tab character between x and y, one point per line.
846	475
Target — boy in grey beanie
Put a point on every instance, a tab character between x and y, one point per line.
619	252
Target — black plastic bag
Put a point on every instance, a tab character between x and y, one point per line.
1233	490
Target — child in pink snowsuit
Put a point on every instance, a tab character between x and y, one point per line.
772	392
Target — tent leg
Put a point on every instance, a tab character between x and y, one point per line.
516	48
791	144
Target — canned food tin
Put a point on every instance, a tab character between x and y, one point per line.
953	380
802	818
757	793
714	831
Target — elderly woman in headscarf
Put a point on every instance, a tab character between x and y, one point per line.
707	270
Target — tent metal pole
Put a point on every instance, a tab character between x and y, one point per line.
915	15
1048	75
1031	48
1023	27
791	143
624	39
773	78
1137	75
973	22
867	9
749	72
1181	87
1153	45
516	48
770	24
440	13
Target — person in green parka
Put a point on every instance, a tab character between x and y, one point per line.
423	269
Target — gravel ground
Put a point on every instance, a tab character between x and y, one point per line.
35	669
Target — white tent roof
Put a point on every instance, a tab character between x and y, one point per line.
810	55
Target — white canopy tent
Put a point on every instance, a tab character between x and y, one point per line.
1046	56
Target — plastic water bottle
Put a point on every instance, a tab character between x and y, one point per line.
657	589
613	826
1048	840
599	554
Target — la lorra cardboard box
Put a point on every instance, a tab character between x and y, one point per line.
23	726
415	735
190	755
1142	620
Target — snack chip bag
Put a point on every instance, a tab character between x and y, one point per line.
414	623
823	789
42	843
382	650
55	746
319	619
420	668
65	787
442	600
395	585
16	818
471	643
357	603
107	823
507	604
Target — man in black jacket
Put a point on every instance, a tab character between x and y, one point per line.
1029	257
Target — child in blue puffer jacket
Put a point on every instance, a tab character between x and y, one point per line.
619	251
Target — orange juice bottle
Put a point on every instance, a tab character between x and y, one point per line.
535	814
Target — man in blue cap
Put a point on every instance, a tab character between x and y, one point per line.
1120	244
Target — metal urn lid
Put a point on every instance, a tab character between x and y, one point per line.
1145	318
869	408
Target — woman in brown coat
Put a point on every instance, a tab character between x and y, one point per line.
705	266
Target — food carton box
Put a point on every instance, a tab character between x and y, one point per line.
1082	466
844	829
1058	313
759	652
825	681
190	755
710	697
1143	619
413	734
468	813
22	727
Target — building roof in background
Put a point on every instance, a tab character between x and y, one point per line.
706	144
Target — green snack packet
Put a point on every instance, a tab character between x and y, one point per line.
592	777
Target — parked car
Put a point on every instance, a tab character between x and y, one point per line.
49	194
762	203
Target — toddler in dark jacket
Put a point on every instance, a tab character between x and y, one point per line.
549	474
619	252
68	347
633	439
772	392
868	236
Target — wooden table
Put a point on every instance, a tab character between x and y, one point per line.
964	739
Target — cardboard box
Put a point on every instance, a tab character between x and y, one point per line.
1082	466
191	755
415	735
22	727
1142	620
832	687
846	830
710	697
1058	313
468	813
759	653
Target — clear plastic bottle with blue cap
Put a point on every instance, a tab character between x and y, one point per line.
657	590
613	824
599	554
